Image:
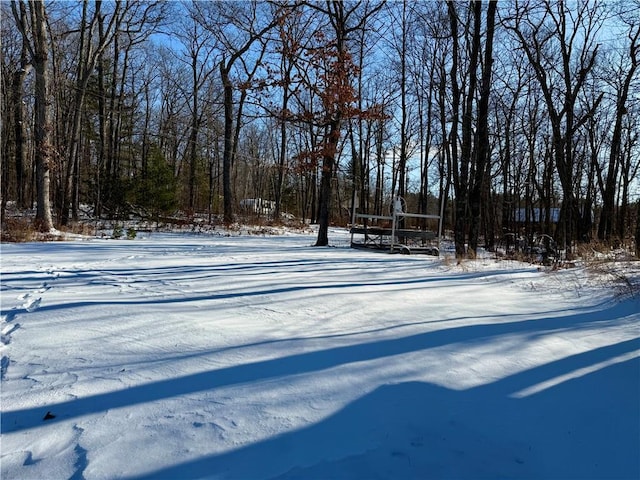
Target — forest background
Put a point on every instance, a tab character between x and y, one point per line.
507	117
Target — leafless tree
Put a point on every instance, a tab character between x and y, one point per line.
36	39
560	42
89	51
482	147
238	27
621	73
198	55
16	110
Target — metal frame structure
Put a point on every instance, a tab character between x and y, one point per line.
389	236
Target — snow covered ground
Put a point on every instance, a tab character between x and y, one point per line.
248	357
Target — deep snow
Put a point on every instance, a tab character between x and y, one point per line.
249	357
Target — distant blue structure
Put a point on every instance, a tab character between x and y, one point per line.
537	215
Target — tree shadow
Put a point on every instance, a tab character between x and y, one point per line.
584	427
308	362
573	430
97	276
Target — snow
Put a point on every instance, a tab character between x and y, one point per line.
260	357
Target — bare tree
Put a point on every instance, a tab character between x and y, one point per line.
199	47
637	236
559	40
622	83
482	149
90	50
19	121
292	36
35	37
400	45
423	71
237	27
460	165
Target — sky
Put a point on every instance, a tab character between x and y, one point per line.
253	355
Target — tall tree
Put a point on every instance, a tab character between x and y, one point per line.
90	50
292	36
14	107
238	27
335	90
482	148
460	165
637	237
19	120
622	85
560	42
35	37
401	47
198	55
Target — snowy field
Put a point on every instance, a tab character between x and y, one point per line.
248	357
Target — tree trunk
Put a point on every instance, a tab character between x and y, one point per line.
43	126
228	145
19	124
102	168
606	225
482	147
452	143
193	138
282	154
404	117
90	52
328	165
460	166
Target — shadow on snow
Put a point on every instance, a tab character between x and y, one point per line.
419	430
574	429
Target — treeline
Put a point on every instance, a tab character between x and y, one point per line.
516	116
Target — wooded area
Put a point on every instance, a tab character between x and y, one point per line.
518	117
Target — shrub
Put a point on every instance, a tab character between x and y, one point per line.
117	232
17	229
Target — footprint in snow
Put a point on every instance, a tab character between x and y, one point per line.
9	316
32	305
4	365
5	336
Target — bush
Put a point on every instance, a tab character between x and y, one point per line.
18	229
117	232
